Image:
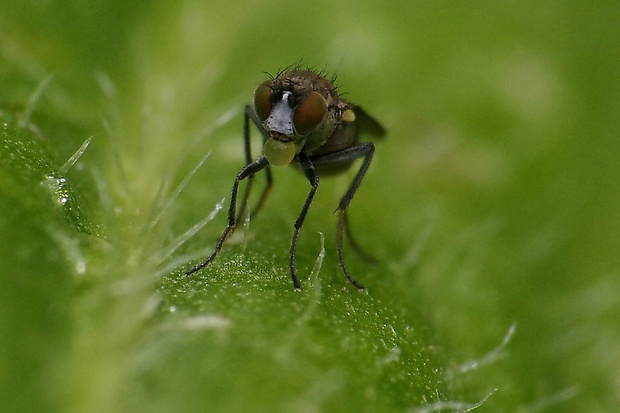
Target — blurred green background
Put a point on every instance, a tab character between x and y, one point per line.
493	203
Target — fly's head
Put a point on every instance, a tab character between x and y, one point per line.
299	109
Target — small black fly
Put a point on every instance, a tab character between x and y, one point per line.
303	121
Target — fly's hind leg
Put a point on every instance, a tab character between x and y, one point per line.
354	244
363	150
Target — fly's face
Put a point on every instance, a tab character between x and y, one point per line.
299	110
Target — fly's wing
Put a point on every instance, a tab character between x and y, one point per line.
366	124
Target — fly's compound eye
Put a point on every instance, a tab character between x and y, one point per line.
310	113
262	100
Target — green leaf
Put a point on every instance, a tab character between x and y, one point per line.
491	205
40	223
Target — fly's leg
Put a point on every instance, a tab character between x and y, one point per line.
339	230
353	243
265	194
247	172
251	115
247	146
313	178
362	150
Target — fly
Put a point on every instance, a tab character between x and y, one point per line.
303	121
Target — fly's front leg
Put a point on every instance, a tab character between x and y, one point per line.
247	144
247	172
313	178
365	150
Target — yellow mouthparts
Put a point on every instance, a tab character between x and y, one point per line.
279	153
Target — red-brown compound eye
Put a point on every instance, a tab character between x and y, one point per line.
262	100
310	113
